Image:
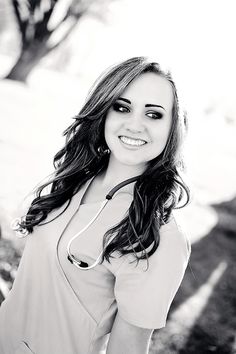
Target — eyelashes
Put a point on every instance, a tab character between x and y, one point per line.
121	108
154	115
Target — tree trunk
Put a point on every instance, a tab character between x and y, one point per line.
28	59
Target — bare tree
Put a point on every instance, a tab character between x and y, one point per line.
38	22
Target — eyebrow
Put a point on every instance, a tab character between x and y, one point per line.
146	105
124	99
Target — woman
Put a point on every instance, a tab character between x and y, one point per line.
91	267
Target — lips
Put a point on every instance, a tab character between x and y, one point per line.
132	141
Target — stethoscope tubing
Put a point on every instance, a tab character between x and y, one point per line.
70	256
78	263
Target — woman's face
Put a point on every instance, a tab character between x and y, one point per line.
138	124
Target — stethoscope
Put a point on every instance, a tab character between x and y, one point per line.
75	261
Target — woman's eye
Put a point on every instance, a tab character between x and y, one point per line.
120	108
154	115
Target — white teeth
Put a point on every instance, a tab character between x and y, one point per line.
133	142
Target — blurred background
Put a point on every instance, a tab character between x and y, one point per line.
50	54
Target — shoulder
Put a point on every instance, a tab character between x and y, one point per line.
172	238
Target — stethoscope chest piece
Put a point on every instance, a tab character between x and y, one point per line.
82	264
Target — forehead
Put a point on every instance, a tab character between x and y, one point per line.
150	88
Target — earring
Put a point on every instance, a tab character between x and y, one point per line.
102	152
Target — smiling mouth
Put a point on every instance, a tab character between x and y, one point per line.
131	141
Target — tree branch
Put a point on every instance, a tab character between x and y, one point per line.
75	11
66	35
21	23
41	27
62	21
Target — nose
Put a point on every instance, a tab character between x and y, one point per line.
135	124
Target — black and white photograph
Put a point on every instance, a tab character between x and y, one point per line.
118	177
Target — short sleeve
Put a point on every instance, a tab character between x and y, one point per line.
144	295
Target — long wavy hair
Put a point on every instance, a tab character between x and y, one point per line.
156	192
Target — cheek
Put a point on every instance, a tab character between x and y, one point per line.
166	135
108	130
111	125
160	134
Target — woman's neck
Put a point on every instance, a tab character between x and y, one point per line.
117	172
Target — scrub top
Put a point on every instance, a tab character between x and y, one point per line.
56	308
